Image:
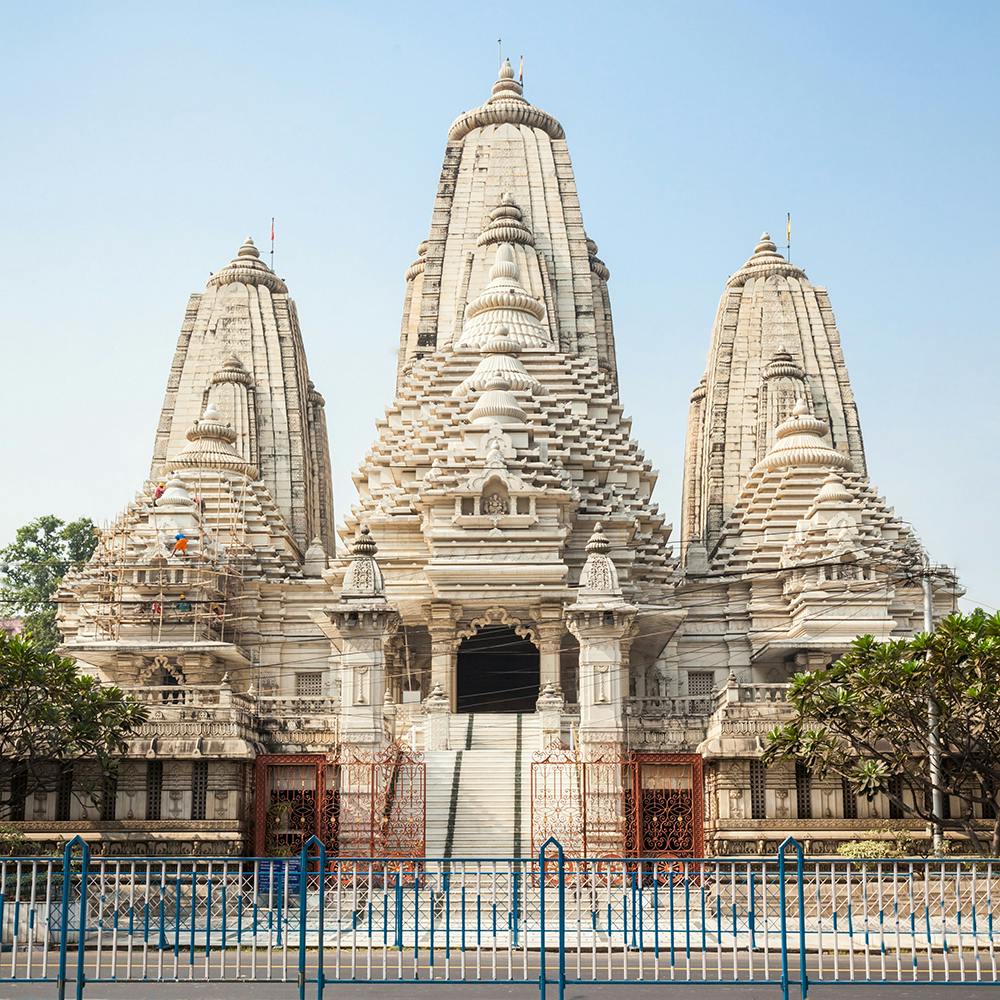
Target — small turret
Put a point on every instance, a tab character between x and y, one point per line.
363	580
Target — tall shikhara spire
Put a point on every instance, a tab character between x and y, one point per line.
240	348
775	340
507	178
506	441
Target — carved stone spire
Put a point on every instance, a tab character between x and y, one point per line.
506	105
499	360
506	225
363	580
210	446
765	261
599	577
505	304
799	442
248	269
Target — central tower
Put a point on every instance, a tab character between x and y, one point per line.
505	457
503	154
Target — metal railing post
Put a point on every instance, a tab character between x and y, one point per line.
82	932
303	907
64	922
541	920
783	904
561	898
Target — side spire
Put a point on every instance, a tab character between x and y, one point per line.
504	304
799	441
248	269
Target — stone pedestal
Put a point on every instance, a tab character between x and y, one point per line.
438	719
550	708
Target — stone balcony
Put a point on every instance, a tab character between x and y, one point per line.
193	720
295	724
744	714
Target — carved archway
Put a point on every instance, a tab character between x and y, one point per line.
498	669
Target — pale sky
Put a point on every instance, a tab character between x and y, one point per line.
139	147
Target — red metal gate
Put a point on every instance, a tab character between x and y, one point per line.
358	804
608	802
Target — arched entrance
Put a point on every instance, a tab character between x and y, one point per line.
497	672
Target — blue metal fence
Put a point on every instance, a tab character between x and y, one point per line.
551	920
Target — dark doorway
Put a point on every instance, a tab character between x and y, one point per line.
497	672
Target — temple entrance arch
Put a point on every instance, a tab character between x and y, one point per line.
497	671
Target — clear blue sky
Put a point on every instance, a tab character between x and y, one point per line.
140	145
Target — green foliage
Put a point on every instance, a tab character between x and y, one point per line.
864	849
32	567
49	711
865	718
13	843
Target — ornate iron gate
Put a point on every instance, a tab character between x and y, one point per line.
612	803
362	805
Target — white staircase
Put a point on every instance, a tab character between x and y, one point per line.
479	790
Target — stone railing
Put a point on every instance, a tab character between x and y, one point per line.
743	692
670	707
188	695
298	724
194	712
296	707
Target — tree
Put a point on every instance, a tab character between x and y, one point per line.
50	712
865	719
32	567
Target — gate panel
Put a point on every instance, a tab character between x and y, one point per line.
669	805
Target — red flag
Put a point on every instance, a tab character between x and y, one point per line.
272	228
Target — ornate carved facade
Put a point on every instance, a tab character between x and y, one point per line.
504	545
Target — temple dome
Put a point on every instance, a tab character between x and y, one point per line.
505	305
799	442
506	105
248	269
764	262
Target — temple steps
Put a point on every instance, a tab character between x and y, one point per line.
478	792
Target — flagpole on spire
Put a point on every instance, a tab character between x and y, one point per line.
520	72
788	237
272	242
499	53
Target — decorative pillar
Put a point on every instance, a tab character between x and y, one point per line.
438	719
550	709
600	619
444	654
550	629
364	621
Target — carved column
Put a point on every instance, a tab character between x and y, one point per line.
550	630
601	619
603	683
364	628
364	622
444	652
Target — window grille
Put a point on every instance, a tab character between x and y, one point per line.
309	685
109	797
758	790
154	789
199	789
850	799
896	791
18	793
700	682
803	791
64	792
